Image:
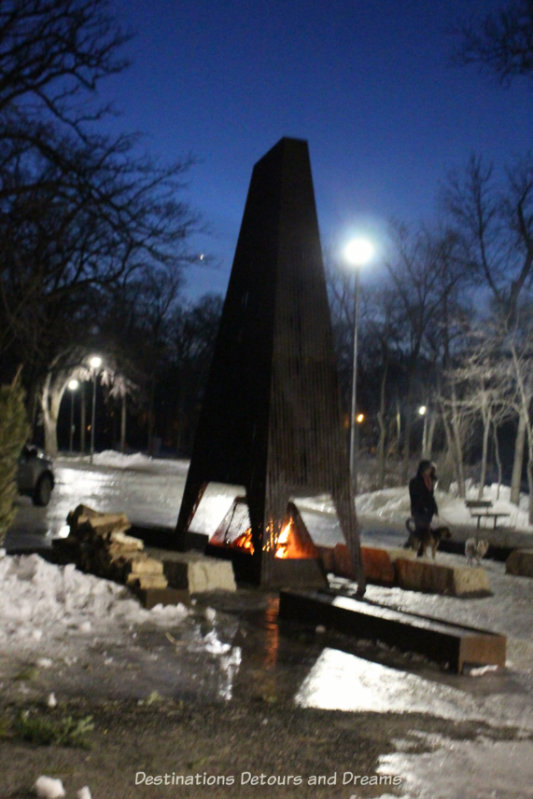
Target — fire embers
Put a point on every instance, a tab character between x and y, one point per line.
292	542
285	546
244	542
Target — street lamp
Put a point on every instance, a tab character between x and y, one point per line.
95	363
423	412
357	253
73	386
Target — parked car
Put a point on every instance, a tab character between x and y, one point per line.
35	475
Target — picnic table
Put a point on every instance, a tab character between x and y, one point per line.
481	509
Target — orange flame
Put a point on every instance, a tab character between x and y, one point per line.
286	546
244	541
283	542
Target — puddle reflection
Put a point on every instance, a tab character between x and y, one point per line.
343	681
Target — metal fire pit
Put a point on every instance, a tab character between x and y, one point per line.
296	562
271	419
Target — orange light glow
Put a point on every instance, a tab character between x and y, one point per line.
244	541
283	542
287	545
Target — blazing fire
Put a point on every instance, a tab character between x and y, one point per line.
285	546
288	544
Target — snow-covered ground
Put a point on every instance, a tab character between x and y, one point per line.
45	608
52	615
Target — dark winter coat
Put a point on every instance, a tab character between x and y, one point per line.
423	505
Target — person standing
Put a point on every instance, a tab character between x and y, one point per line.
422	496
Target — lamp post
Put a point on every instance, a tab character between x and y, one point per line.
423	412
95	363
73	386
357	253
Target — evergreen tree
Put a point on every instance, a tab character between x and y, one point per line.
13	433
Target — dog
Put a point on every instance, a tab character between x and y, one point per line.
420	539
475	549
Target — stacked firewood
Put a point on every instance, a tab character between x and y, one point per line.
98	544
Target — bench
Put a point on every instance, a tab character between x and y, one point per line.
480	509
494	515
478	503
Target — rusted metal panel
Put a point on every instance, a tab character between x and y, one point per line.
271	418
441	641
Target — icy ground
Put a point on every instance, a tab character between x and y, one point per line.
56	617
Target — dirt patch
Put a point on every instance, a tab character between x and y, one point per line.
217	750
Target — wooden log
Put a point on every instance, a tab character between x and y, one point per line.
144	565
85	519
378	563
81	510
425	575
145	581
520	562
119	543
106	523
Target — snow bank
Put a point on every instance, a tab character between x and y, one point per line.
392	504
119	460
41	602
112	459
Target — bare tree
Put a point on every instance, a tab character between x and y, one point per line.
80	213
54	52
522	358
192	332
425	278
487	387
493	221
381	345
500	42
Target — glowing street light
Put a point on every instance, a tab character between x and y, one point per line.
73	385
95	363
423	412
357	253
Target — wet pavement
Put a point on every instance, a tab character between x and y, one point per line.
150	492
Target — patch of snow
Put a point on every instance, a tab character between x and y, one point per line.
478	769
49	788
61	601
392	504
119	460
212	644
342	680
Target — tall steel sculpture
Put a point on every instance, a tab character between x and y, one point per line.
271	419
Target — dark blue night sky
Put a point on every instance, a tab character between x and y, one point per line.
368	83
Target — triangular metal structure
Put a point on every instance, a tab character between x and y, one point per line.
271	419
